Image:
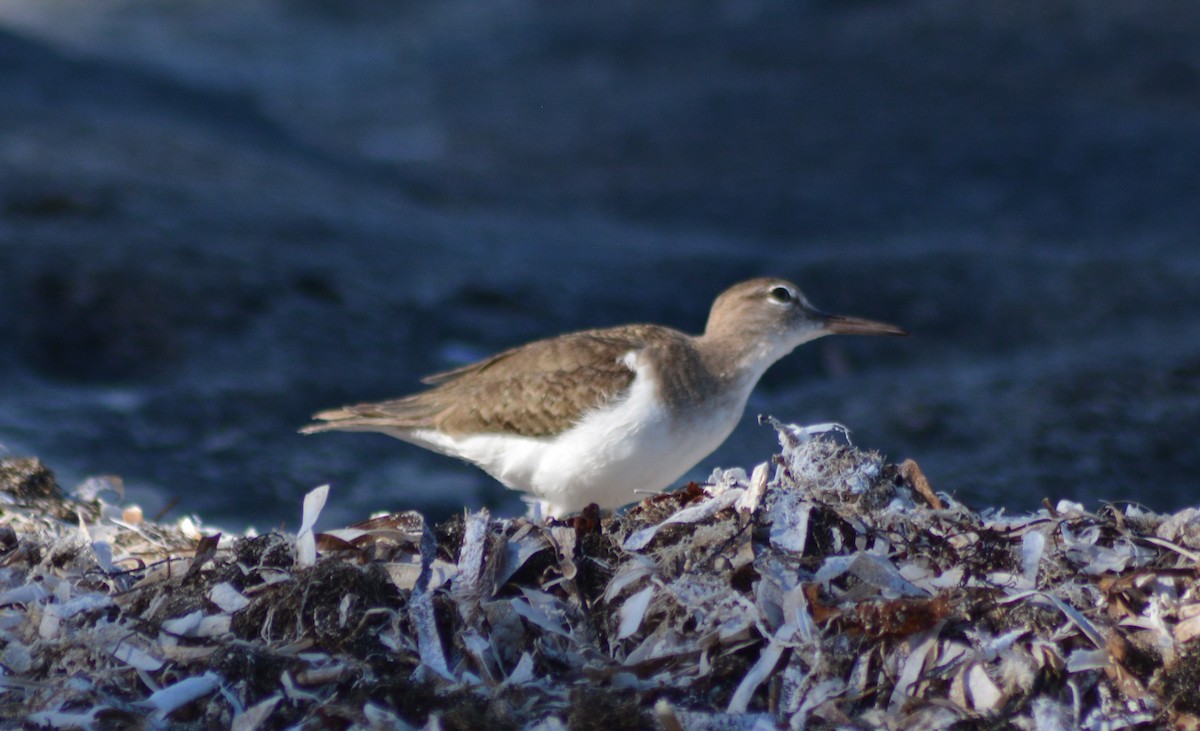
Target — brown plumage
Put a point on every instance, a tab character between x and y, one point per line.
605	415
536	390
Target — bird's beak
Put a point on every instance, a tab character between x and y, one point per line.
843	325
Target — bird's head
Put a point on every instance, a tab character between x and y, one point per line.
773	315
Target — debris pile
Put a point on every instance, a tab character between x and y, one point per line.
827	589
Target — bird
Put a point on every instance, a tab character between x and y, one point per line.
607	415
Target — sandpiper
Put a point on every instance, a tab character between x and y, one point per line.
605	416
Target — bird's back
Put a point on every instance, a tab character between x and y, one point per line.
539	389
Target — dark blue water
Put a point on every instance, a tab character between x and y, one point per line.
213	224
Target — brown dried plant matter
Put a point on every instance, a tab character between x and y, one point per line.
827	588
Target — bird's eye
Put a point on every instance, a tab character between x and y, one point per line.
782	295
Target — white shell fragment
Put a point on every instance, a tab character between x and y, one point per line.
185	626
137	658
827	589
633	611
1033	545
306	546
183	692
227	598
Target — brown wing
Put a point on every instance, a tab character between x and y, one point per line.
539	389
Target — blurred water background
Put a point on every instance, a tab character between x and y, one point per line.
217	217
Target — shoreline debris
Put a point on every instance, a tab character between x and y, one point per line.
826	589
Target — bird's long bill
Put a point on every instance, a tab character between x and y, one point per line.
844	325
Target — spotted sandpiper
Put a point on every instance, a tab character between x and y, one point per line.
604	416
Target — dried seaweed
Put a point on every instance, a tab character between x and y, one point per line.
827	589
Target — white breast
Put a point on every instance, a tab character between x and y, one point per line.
613	457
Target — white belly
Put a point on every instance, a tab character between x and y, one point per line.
613	457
